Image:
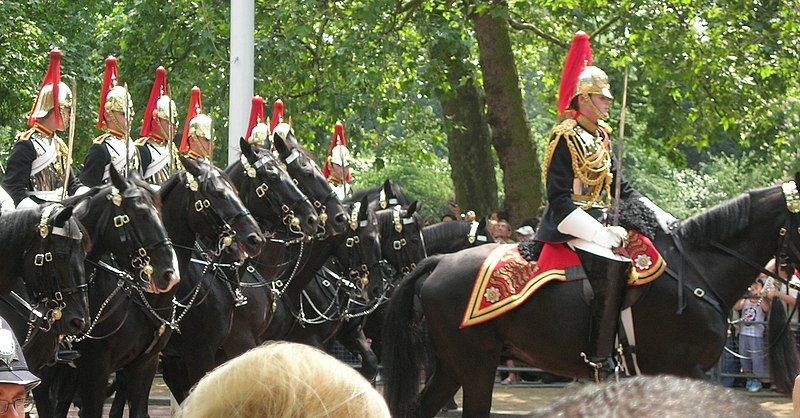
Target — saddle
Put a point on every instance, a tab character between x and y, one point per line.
512	273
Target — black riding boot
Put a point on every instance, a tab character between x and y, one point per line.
609	288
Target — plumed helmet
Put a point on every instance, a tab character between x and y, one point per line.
197	123
579	75
257	131
337	152
113	97
52	93
159	104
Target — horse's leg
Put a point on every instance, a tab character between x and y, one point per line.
92	382
175	376
45	403
138	380
62	390
117	388
439	390
356	342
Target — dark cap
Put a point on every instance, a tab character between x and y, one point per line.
13	368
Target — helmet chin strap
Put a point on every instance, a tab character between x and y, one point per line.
600	115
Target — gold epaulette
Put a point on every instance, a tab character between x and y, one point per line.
566	127
605	126
100	139
24	136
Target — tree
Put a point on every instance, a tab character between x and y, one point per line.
506	115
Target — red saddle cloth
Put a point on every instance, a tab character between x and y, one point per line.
506	280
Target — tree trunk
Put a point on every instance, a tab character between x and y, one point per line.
511	135
468	140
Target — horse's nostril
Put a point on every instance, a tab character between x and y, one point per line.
341	218
312	220
254	240
78	323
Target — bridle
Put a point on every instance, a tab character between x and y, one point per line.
358	269
472	234
287	212
203	205
791	227
128	234
52	297
292	158
400	245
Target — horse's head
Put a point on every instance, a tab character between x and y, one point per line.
53	266
309	178
270	194
360	253
214	211
401	236
479	233
123	220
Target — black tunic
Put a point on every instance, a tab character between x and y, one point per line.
560	178
17	181
94	165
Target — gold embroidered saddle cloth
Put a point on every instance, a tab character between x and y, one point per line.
506	279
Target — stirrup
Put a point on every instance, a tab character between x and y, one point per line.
602	368
239	298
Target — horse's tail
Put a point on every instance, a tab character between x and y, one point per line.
403	344
784	360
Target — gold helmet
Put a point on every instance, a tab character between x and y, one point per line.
46	100
159	105
197	123
579	76
113	97
257	131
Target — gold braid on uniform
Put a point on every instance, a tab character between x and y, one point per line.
591	166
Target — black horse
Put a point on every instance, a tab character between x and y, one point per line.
304	170
453	236
385	196
42	252
198	204
334	305
551	329
97	213
282	209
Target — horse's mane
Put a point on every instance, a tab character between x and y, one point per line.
445	231
17	226
720	223
359	194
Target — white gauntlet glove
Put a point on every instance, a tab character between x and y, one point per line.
664	218
580	224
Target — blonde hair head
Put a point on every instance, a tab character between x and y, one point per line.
283	379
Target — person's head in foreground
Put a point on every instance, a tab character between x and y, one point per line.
653	396
283	379
15	379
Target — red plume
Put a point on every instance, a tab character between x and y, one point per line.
53	76
195	108
336	139
159	89
109	82
256	115
579	56
277	114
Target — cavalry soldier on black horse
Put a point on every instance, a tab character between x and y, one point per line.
579	171
157	152
113	148
37	166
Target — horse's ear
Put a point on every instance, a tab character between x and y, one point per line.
134	175
387	188
415	206
280	145
191	166
247	150
62	216
482	224
362	213
116	179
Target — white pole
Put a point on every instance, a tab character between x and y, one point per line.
241	74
